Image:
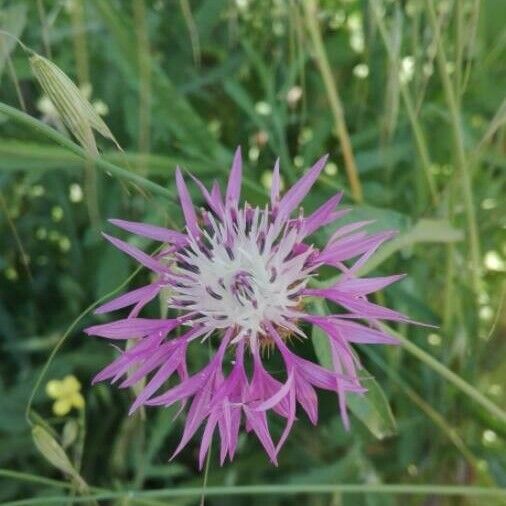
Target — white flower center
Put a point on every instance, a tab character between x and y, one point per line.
242	273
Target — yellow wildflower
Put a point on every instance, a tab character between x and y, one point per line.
67	394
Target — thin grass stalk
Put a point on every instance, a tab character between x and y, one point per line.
144	59
206	476
418	133
83	79
458	139
392	91
310	12
459	48
45	28
33	478
471	39
438	419
108	167
449	375
298	23
22	252
15	81
192	30
449	289
431	55
427	490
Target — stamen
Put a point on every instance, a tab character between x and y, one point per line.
230	253
213	294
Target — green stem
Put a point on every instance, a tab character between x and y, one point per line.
310	8
64	337
33	478
446	373
429	411
288	489
78	24
107	167
458	139
144	66
418	133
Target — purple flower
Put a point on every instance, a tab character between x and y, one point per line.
240	276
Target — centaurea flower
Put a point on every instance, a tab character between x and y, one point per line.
240	277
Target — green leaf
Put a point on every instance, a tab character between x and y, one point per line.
425	231
372	408
320	340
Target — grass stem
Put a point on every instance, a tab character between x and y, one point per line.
458	140
310	12
108	167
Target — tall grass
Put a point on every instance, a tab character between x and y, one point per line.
408	99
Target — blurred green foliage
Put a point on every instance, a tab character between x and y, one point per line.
184	82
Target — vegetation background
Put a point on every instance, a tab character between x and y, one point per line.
409	100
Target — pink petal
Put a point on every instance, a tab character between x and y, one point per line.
111	370
151	231
278	396
225	428
212	202
293	197
347	229
307	398
184	390
258	422
187	205
352	246
356	333
152	362
360	307
234	181
198	412
365	286
235	424
129	358
136	254
275	185
369	310
131	328
194	383
216	196
206	439
290	419
324	215
145	294
264	385
353	332
161	376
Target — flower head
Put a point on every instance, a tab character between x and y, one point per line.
240	277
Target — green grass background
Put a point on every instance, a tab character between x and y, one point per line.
409	100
